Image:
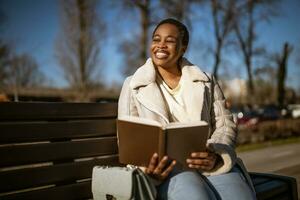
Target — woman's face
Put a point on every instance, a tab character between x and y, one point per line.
166	47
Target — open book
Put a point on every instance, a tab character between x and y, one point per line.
140	138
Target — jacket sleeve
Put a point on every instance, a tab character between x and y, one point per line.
126	104
224	132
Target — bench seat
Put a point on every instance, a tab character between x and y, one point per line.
48	150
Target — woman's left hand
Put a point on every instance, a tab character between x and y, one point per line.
202	160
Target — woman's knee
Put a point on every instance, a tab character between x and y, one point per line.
189	185
232	186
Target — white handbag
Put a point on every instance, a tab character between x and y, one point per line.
121	183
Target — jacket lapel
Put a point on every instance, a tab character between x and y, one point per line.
193	96
194	91
149	95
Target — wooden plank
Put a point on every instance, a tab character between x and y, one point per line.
35	153
47	175
73	191
55	111
41	131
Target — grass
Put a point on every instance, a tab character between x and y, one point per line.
250	147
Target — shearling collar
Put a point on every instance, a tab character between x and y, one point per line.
146	74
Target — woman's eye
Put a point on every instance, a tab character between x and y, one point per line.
171	41
155	39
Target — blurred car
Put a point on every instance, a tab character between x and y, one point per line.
245	117
295	110
270	112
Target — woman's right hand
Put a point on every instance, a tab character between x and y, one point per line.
159	169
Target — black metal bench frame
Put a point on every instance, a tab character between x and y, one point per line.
47	151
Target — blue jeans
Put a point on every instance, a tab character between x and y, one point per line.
193	186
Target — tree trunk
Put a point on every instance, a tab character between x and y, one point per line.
281	74
217	59
144	10
249	73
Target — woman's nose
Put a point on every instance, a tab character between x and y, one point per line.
162	44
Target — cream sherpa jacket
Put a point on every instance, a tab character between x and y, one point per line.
141	96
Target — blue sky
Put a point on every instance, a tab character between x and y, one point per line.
33	26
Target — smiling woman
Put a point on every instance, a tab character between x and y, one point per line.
168	88
167	48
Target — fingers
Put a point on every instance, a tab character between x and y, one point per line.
160	170
199	161
203	164
200	167
202	160
168	170
162	164
152	164
207	155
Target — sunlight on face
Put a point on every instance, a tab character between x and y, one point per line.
166	47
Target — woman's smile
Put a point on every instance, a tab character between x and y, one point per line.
161	54
166	46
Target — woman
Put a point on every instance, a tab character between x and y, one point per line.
168	88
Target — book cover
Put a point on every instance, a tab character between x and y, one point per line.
140	138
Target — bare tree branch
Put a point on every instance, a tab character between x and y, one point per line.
248	15
223	17
77	47
136	52
282	61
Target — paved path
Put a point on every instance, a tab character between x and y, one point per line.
283	159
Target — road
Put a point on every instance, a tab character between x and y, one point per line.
283	159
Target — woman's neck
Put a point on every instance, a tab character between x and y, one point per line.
170	75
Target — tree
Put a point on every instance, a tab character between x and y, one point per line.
77	47
281	61
17	71
223	15
136	52
24	72
4	62
179	9
4	54
265	82
247	16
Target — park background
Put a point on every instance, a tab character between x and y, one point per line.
81	51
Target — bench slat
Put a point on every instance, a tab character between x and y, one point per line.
47	175
72	191
54	111
35	153
42	131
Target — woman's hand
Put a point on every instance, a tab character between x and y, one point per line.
205	161
159	169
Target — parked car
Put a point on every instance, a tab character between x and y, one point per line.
295	110
245	117
270	112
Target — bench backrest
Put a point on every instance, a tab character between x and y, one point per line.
47	150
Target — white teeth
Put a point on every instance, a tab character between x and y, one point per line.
161	55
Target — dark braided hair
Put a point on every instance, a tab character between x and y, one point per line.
184	33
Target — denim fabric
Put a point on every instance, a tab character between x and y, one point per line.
193	186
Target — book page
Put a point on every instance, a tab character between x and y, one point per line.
140	120
138	142
187	124
182	141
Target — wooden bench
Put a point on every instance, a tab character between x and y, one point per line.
48	150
